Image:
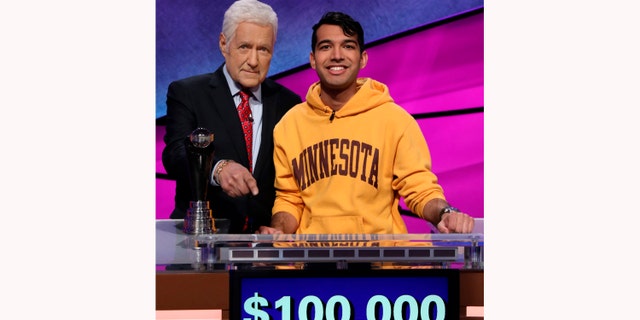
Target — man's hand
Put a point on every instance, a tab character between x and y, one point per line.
281	222
268	230
456	222
236	180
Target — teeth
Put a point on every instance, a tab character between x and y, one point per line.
336	68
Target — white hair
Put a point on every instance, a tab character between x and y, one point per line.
248	11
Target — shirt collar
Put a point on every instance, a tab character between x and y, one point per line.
235	87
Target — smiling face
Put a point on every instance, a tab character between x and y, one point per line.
248	53
337	59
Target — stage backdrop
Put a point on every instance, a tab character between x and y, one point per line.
187	31
435	71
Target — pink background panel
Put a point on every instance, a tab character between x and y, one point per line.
440	68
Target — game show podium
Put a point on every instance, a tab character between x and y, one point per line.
333	276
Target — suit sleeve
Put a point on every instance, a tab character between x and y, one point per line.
181	120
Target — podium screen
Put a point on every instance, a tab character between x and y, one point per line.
344	294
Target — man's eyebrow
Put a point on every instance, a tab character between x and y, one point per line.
343	41
323	41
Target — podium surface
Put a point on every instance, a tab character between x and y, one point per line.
197	271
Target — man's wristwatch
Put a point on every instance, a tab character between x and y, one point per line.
448	209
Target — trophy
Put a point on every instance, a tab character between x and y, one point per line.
200	148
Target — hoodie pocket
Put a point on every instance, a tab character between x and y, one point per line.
336	224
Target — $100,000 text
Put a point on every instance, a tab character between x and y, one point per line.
338	307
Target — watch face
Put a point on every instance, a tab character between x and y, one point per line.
448	210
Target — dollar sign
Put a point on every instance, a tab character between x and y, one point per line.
252	307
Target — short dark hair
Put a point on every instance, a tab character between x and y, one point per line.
344	21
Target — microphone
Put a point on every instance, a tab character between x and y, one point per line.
250	118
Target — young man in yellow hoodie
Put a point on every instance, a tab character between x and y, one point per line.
346	156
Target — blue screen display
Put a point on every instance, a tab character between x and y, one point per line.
341	294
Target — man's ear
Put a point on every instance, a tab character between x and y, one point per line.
364	57
222	43
312	60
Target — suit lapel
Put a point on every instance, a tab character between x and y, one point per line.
226	109
268	122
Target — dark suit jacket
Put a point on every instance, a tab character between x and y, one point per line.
205	101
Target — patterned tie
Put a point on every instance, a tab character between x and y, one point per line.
244	111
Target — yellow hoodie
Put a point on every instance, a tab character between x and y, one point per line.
345	172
